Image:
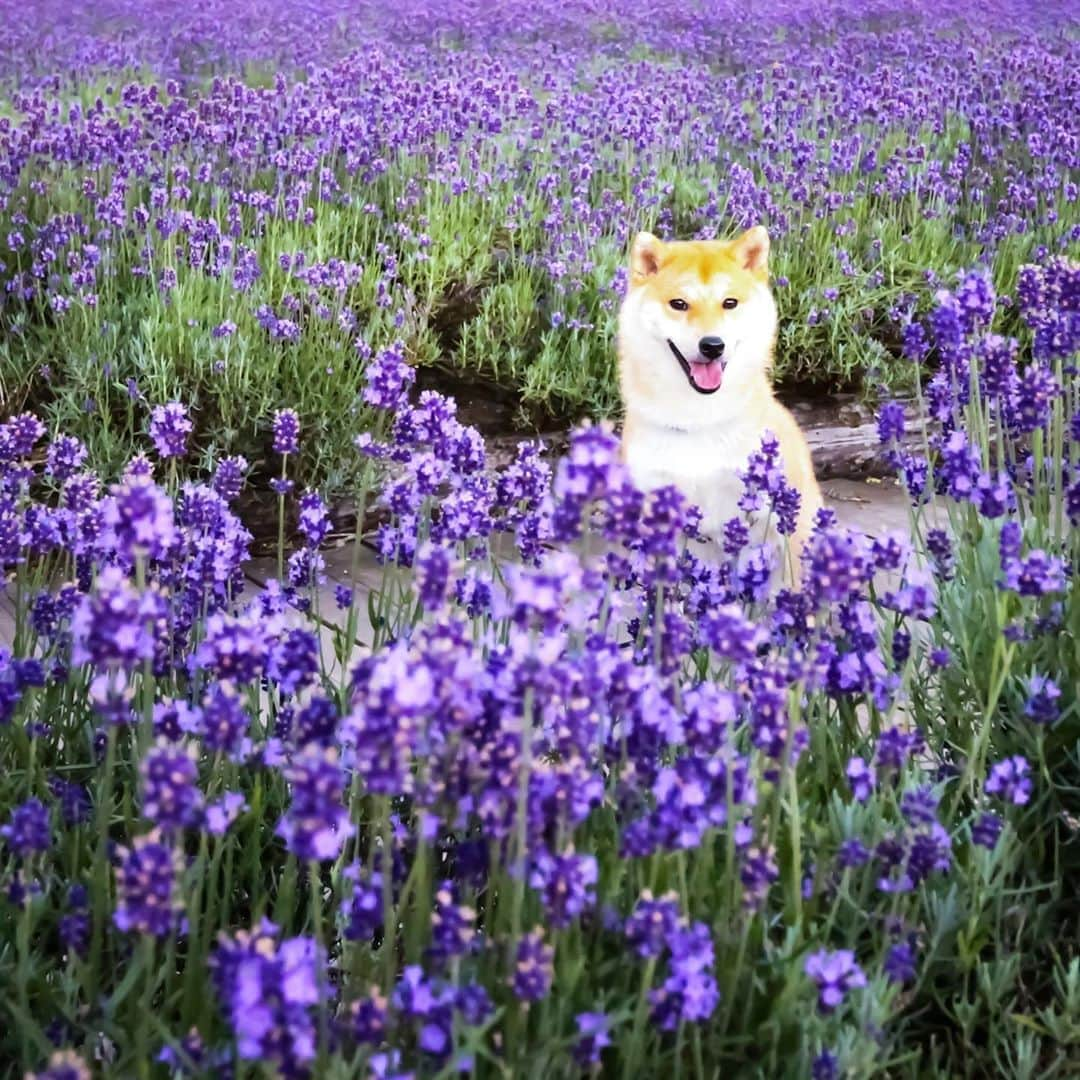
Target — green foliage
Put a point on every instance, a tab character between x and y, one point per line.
481	295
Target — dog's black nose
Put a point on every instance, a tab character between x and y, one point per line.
712	348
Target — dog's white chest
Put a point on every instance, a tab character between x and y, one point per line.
703	464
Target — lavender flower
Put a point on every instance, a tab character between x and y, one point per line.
170	429
173	720
1009	780
1010	543
113	698
74	801
113	625
730	634
689	994
1043	695
65	457
316	824
432	576
229	477
891	425
305	569
915	345
221	813
930	852
593	1037
269	989
1032	399
363	911
825	1066
757	874
986	829
170	798
852	853
861	777
387	1066
429	1005
475	1005
236	647
1037	574
293	662
138	520
27	830
836	565
148	900
21	434
835	973
224	722
567	883
895	746
453	925
976	299
314	520
900	963
919	806
388	378
367	1018
286	431
651	923
533	967
74	925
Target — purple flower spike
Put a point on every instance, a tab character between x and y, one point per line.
1009	780
900	963
388	378
861	777
986	830
1043	695
269	990
651	923
170	428
826	1066
593	1037
170	797
286	431
835	973
316	824
148	900
27	830
534	967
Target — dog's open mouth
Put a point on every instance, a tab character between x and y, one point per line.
705	376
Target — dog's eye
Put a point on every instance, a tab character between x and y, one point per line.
730	303
679	305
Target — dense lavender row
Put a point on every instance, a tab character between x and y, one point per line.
239	204
606	805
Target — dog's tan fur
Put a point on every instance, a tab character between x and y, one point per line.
674	432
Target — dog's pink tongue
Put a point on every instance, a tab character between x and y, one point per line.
707	376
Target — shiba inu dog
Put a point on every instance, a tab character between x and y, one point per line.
696	335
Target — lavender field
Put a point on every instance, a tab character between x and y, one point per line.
566	793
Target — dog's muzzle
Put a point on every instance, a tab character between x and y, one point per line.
704	376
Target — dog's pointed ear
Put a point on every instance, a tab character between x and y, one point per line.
752	250
646	255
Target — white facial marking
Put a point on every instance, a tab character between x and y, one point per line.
655	386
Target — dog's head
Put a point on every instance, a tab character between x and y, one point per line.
697	325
